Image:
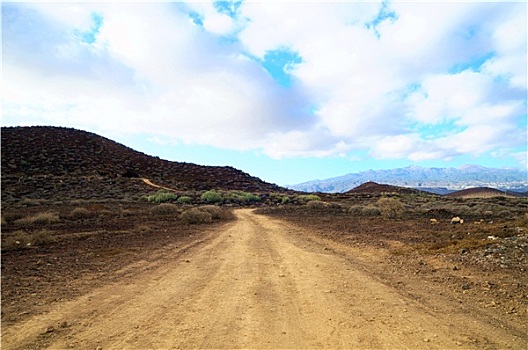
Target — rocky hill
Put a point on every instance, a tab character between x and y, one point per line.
64	163
376	188
484	192
437	180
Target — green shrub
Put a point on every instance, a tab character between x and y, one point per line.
162	197
184	200
248	197
390	207
303	198
242	197
38	219
164	209
286	200
195	216
212	197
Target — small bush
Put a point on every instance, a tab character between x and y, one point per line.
12	217
22	239
335	206
285	200
505	214
164	209
216	212
243	197
81	213
370	210
162	197
29	202
316	205
212	197
308	197
38	219
195	216
184	200
356	210
390	207
487	213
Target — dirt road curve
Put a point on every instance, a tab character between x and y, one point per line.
256	283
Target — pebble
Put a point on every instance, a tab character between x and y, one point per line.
49	329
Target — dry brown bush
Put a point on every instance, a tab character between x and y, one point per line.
317	205
38	219
23	239
356	210
81	213
216	212
390	207
195	216
370	210
164	209
12	217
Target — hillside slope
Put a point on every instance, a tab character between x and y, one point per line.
54	162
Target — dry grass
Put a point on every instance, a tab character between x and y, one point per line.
81	213
45	218
9	218
23	239
165	209
317	205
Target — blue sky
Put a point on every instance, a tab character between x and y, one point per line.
288	92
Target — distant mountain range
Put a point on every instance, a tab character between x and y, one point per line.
436	180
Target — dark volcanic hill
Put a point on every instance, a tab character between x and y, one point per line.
53	162
484	192
371	187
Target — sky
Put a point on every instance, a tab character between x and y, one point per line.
286	91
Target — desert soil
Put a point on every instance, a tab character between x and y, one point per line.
260	282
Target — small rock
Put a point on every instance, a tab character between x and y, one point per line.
426	340
466	286
455	268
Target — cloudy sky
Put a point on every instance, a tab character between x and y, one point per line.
289	92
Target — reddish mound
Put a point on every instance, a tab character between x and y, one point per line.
61	163
376	188
483	192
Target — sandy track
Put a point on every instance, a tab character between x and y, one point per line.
254	284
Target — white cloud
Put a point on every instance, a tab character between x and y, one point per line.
372	79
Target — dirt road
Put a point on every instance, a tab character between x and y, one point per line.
256	283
